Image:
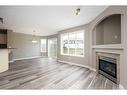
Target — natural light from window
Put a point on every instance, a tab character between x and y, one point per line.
72	43
43	45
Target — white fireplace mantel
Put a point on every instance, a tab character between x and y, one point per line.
109	46
111	51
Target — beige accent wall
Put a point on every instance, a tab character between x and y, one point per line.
52	36
109	31
99	39
112	29
24	47
79	60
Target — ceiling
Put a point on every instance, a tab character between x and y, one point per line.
46	20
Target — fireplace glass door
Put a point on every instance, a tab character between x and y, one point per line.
108	67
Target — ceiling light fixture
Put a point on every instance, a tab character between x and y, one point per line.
34	40
77	11
1	20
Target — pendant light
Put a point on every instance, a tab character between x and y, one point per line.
34	38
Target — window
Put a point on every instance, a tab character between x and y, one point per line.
72	43
43	45
65	44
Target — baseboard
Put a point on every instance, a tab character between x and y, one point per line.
77	65
26	58
121	87
11	61
23	58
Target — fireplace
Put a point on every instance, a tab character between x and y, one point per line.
108	67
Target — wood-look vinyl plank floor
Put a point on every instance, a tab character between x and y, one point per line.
45	73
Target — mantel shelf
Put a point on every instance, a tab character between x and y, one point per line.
111	46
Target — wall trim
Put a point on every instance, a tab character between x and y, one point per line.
121	87
23	58
26	58
11	61
71	63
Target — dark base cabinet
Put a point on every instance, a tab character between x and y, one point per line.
3	38
3	45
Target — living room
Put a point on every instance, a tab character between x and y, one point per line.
63	47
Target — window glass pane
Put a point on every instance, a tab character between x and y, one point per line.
65	43
43	45
72	45
52	47
80	43
80	35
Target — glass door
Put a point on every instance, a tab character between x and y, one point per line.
52	48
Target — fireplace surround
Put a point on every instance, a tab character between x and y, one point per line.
108	66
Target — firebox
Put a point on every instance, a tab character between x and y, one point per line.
108	68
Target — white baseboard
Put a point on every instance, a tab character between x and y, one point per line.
121	87
11	61
26	58
23	58
77	65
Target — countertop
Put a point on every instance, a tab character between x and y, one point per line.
7	48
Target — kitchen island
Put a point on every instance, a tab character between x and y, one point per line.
4	59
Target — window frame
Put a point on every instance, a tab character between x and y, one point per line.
61	43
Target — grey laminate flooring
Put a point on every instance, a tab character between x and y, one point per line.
44	73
